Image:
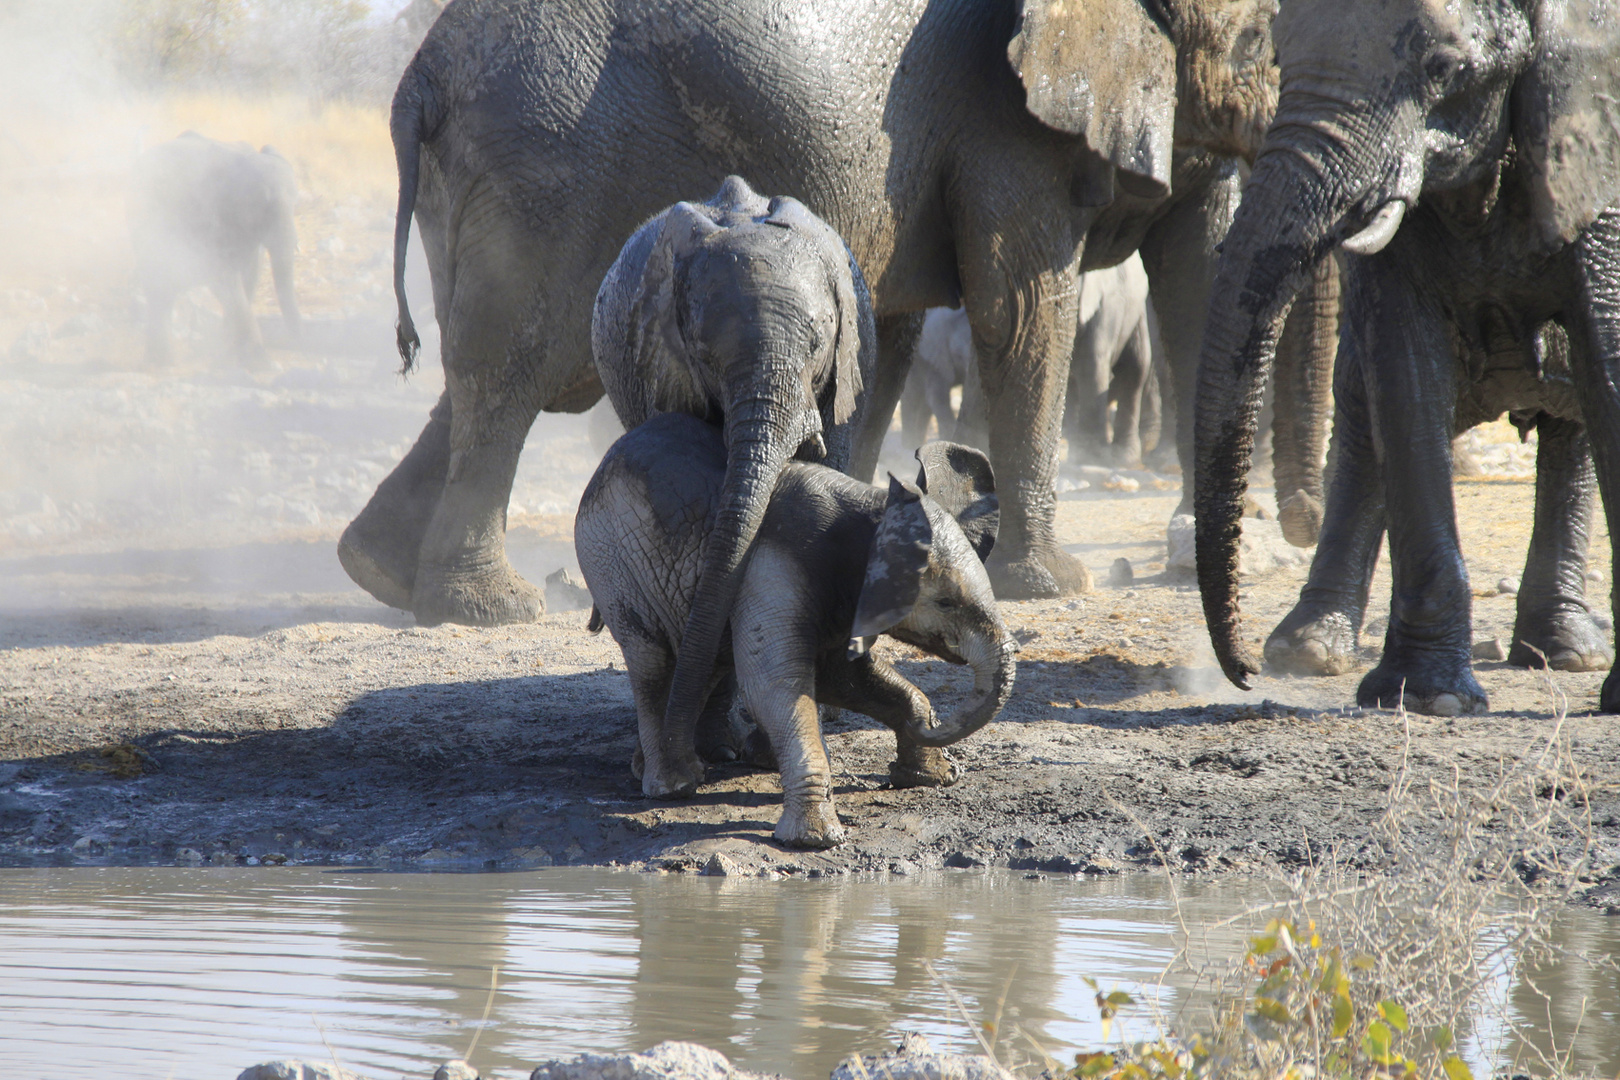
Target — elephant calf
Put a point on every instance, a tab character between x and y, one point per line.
837	562
198	215
1116	342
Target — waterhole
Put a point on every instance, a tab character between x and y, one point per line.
190	974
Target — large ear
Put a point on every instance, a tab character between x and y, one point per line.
894	565
959	479
1566	115
1104	70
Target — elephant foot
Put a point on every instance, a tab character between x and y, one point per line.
1432	690
922	766
375	568
492	597
724	727
1570	641
1300	516
809	824
1311	642
672	780
1609	696
1038	575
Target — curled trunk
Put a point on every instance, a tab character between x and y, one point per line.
994	662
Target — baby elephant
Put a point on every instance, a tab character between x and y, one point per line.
199	213
836	563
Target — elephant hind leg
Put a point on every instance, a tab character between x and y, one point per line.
1554	624
379	548
649	665
874	688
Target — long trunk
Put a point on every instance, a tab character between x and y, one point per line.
1292	208
761	435
994	662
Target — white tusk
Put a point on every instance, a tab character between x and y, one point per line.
1379	232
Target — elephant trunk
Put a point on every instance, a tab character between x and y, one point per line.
994	660
763	431
1295	208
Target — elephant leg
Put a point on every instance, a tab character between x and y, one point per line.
1086	406
1427	661
230	289
649	665
1319	636
1178	253
1594	330
914	410
873	688
281	247
160	297
721	734
1023	318
379	549
896	345
937	389
1302	404
778	683
1553	622
1126	387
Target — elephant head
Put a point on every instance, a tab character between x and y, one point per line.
751	313
926	584
1383	103
1136	78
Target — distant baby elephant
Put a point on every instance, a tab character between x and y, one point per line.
943	361
1115	344
836	563
199	213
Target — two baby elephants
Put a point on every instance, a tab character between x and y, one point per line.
729	554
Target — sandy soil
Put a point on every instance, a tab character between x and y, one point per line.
187	676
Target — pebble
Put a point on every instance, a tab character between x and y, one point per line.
455	1070
1121	573
1490	649
1507	586
1594	575
721	865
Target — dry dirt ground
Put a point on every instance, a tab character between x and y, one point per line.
186	676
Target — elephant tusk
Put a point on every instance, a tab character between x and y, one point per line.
1379	232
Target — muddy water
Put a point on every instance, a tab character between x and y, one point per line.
198	973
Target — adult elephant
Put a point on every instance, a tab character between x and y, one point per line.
963	151
1467	158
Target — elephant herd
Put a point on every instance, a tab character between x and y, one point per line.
1397	212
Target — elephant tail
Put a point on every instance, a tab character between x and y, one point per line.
409	126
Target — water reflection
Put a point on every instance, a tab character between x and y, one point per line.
149	972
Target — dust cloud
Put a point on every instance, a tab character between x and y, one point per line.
213	479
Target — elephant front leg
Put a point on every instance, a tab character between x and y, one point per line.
1402	339
1319	636
873	688
1554	625
1023	333
896	346
1595	339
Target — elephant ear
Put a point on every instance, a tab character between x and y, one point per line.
1104	70
1566	115
959	479
894	565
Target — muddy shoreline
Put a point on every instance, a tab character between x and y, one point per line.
321	728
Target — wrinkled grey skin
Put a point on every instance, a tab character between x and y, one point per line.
750	313
963	155
836	563
944	360
1115	344
1465	157
200	211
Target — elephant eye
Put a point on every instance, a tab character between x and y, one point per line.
1444	69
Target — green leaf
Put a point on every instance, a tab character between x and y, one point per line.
1362	962
1089	981
1375	1044
1391	1011
1456	1069
1273	1010
1441	1037
1261	946
1093	1064
1343	1014
1119	998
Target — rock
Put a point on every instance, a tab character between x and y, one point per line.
721	865
455	1070
563	593
915	1059
1507	586
1120	573
1261	550
294	1070
1595	576
1122	483
1490	649
666	1061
